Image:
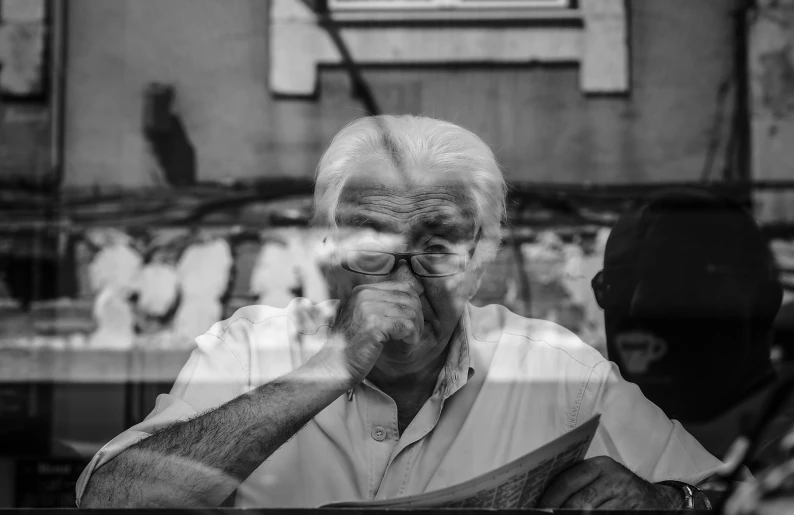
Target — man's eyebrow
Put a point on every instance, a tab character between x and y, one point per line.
362	221
449	227
445	226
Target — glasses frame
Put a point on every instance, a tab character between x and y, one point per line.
408	257
600	287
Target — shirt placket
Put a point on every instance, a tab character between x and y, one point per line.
380	415
403	457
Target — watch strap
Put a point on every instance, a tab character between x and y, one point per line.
693	496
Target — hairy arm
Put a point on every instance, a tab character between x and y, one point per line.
199	462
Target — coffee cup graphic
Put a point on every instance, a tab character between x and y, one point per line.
638	349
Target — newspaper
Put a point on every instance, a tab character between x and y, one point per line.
516	485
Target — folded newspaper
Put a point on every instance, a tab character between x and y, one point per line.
516	485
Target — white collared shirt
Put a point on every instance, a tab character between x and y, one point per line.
510	384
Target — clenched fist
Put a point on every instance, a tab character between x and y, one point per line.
373	315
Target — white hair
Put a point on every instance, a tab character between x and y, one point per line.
416	143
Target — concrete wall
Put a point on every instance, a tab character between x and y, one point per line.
213	51
27	36
536	118
771	66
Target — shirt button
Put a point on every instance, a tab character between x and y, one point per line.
378	433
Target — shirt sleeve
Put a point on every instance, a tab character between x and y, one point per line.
215	373
636	433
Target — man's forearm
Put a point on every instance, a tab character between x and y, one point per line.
199	462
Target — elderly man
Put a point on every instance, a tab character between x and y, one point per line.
401	386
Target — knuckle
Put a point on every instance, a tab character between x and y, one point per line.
404	291
363	294
405	309
372	320
366	305
358	290
398	296
399	325
368	290
588	495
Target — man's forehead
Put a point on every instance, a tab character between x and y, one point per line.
442	220
389	212
375	175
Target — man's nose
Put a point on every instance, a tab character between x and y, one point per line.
404	273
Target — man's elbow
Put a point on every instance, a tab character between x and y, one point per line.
99	491
98	495
103	490
93	497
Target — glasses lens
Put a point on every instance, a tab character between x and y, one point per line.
614	289
439	264
599	288
369	262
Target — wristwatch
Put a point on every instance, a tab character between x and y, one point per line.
694	497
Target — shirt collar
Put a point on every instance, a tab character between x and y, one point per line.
459	367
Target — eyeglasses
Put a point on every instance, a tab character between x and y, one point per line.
422	264
602	290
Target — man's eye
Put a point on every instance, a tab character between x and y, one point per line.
437	248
